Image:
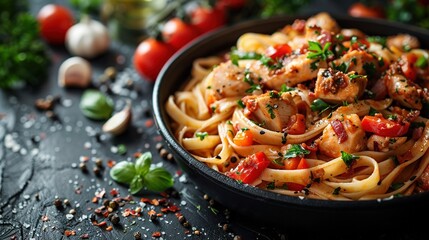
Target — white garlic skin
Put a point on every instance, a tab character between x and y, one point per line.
75	72
88	38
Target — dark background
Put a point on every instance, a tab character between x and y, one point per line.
39	157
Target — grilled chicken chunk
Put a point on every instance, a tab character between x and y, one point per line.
407	93
230	80
342	134
384	144
361	62
270	109
324	21
296	69
336	87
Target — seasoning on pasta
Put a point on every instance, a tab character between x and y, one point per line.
312	110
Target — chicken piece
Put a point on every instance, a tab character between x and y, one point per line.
348	33
270	109
296	69
407	93
342	134
229	80
402	43
324	21
384	144
360	62
336	87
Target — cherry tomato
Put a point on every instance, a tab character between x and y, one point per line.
384	127
207	19
360	10
250	168
54	21
150	56
278	51
177	33
243	138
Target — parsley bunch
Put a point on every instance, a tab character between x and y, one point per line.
140	175
22	52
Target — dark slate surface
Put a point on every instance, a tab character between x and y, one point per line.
39	157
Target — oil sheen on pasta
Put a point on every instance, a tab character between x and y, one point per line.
312	110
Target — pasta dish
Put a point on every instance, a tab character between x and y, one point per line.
312	110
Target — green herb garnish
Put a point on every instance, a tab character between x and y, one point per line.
316	51
201	135
348	158
140	175
296	150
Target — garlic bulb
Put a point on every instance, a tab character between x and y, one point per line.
88	38
119	122
75	72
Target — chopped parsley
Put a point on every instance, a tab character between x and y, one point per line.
236	55
240	103
336	191
348	158
296	150
201	135
422	62
285	88
320	105
378	39
316	51
270	110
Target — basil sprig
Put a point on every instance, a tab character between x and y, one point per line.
96	105
140	175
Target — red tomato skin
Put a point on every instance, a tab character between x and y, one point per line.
54	21
150	56
251	168
232	4
208	19
177	33
360	10
278	51
384	127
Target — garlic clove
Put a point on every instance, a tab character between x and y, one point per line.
119	122
75	72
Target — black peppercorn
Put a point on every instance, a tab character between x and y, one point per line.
58	203
83	167
225	227
114	218
153	217
96	171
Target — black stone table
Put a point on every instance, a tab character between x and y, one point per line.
40	152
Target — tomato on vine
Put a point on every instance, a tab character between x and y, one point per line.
150	56
206	19
178	33
54	20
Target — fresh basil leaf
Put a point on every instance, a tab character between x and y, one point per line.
143	163
158	180
96	105
319	105
136	185
123	172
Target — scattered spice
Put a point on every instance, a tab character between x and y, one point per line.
69	233
114	218
156	234
58	203
137	236
72	211
66	202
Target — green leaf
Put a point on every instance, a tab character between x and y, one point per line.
201	135
136	184
296	150
319	105
143	163
96	105
123	172
158	180
348	158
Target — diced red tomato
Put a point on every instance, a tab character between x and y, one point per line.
296	163
250	168
384	127
298	126
294	186
243	138
278	51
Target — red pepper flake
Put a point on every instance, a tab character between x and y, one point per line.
145	200
94	199
173	208
78	190
149	123
84	158
178	172
151	212
339	130
84	236
155	202
156	234
109	228
137	154
69	233
45	218
111	163
114	192
100	194
101	224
